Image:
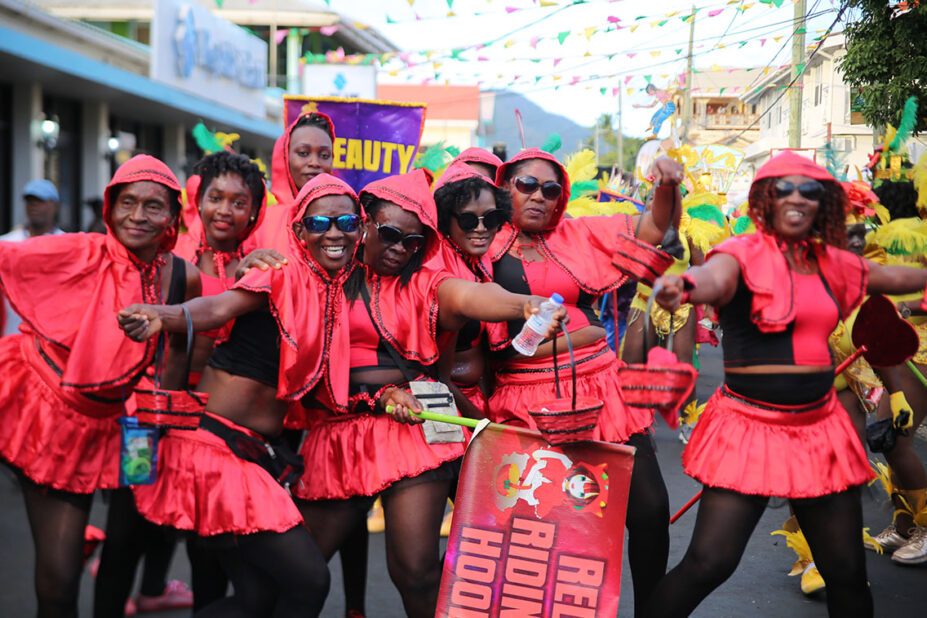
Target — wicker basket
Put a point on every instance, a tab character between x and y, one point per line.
566	420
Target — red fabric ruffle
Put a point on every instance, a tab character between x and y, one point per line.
767	274
597	378
763	452
49	441
204	487
363	454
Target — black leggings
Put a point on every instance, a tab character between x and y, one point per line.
128	537
274	574
647	521
726	520
57	519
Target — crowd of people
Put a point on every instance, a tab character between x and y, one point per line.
301	329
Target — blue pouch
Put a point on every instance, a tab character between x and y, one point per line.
138	454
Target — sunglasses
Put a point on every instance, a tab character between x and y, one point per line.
320	225
390	235
529	184
810	190
468	221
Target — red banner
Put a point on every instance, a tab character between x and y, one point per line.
538	530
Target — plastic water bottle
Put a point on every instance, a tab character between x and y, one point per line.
535	328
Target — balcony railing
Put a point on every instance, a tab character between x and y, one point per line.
726	121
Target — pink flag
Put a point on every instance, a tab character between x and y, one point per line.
715	13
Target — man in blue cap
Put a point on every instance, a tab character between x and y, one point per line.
41	201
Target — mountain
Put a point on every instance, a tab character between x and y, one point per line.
537	122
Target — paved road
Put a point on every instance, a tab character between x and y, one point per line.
760	586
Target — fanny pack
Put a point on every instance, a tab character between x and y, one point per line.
275	456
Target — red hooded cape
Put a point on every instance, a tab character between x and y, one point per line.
271	232
309	307
599	253
397	309
451	257
478	155
69	287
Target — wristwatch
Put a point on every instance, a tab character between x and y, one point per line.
905	311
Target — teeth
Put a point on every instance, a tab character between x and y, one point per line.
334	251
794	213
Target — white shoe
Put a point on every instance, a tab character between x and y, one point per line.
915	550
890	539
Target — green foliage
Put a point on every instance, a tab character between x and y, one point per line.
608	144
887	59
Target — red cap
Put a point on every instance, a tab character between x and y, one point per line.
791	164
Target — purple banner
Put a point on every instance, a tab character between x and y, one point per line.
373	139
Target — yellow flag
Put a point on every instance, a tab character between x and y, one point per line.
589	32
547	3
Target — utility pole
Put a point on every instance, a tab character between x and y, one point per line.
620	135
796	93
687	92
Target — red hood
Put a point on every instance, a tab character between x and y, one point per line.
137	169
537	153
282	184
412	193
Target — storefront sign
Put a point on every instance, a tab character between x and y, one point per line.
340	80
193	50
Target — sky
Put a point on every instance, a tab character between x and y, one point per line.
572	57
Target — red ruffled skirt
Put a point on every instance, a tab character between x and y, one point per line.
362	454
204	487
761	451
50	441
475	394
525	382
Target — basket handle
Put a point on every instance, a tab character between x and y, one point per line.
566	335
159	354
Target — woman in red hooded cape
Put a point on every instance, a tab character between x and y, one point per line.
289	337
227	195
481	160
776	427
471	210
303	152
67	376
354	451
542	252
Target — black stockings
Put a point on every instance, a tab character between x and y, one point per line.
57	519
207	577
413	514
726	520
273	574
128	537
647	522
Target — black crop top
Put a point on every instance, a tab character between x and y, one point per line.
252	349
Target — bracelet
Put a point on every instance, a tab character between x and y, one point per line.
688	285
905	311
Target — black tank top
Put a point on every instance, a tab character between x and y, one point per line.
252	349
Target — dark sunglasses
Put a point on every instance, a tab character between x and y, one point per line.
390	235
468	221
810	190
320	225
529	184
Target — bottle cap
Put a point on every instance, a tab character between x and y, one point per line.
556	298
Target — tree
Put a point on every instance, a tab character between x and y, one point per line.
608	144
887	59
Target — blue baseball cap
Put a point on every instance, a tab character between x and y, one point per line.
42	189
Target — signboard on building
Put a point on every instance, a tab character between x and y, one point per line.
340	80
195	51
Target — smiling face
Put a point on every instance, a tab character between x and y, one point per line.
226	209
389	259
532	213
141	216
794	214
475	242
334	248
310	154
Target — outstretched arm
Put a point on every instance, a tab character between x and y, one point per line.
895	279
667	201
712	283
460	300
141	322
